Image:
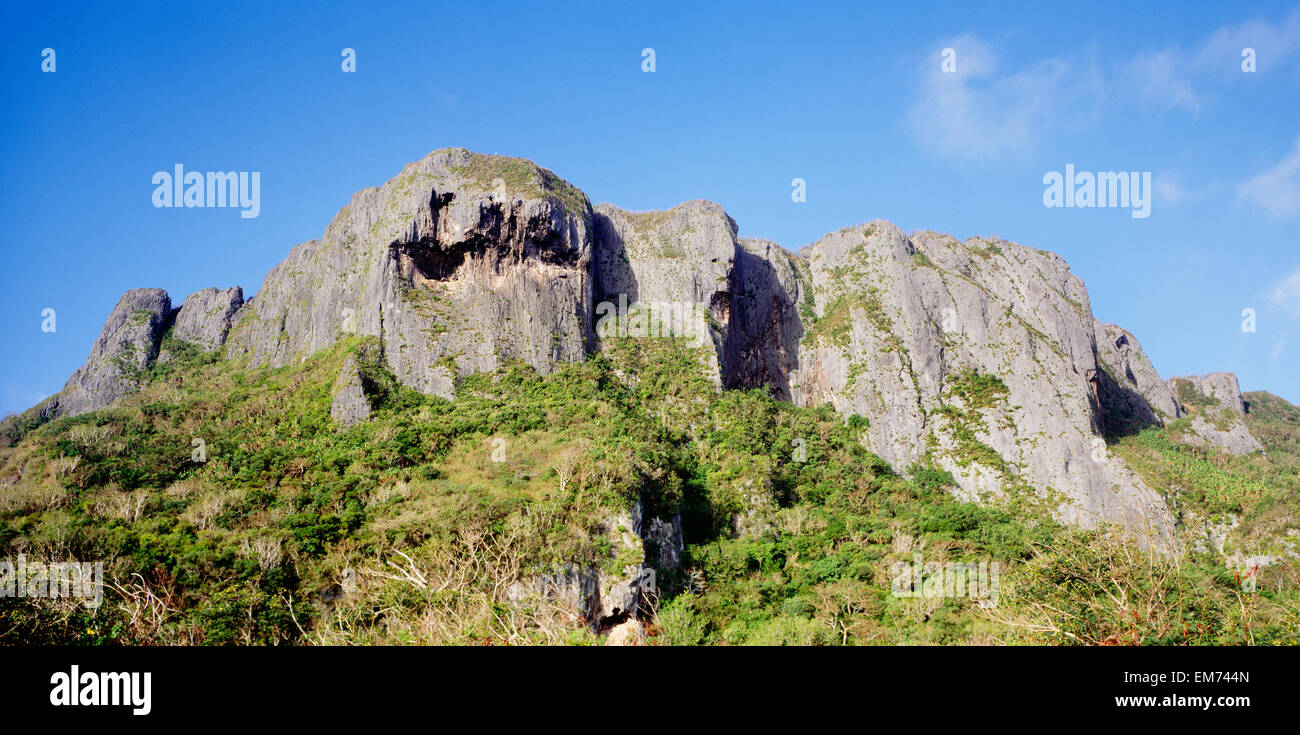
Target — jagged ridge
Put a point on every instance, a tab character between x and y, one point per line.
980	357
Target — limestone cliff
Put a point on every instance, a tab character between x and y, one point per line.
981	357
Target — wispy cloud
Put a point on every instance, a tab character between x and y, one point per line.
1275	357
975	112
1178	76
1286	294
1276	190
1161	78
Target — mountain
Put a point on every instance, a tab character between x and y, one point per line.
974	369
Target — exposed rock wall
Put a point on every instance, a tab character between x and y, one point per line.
206	317
982	357
461	262
978	357
1132	394
128	343
1218	412
676	265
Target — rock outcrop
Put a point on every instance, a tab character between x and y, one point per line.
130	342
607	594
1218	412
978	357
981	357
462	262
1221	389
673	266
349	404
1132	394
127	344
769	285
205	318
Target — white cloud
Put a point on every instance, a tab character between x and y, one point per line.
1178	77
1275	357
1168	188
1277	189
976	113
1287	294
1161	78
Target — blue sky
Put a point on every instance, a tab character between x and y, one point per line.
744	98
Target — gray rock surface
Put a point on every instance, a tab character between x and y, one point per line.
676	263
743	293
1232	436
350	403
128	344
207	315
461	262
1222	388
905	324
768	286
1218	412
1133	396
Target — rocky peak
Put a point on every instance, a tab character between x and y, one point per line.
127	344
206	317
1132	394
981	356
460	262
975	356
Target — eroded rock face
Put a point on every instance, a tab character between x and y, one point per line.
207	315
768	287
350	403
1218	412
978	357
1222	388
461	262
1132	394
675	263
128	343
603	595
742	294
981	357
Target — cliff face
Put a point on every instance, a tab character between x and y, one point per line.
981	357
461	262
1132	394
128	342
1218	412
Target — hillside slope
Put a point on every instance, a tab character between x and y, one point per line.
481	409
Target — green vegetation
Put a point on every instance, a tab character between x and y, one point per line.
524	177
965	419
1262	490
415	525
